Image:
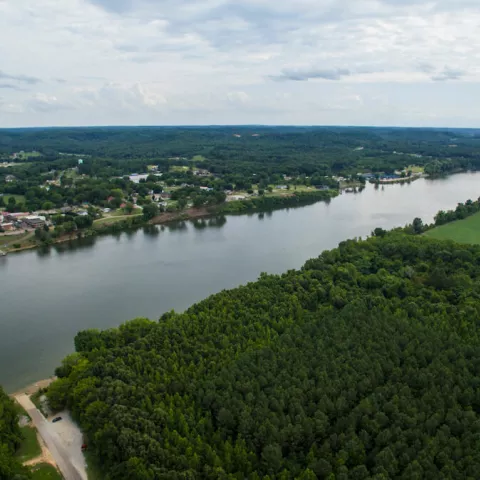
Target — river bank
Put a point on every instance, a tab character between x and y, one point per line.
130	222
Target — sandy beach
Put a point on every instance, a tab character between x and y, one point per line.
34	387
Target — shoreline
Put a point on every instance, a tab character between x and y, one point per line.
34	387
163	218
390	181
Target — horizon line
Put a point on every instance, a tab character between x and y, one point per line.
239	125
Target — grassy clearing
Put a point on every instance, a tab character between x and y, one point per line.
121	212
44	471
23	239
18	198
112	219
26	155
71	173
30	448
415	169
301	188
178	168
198	158
461	231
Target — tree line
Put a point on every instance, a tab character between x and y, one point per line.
10	440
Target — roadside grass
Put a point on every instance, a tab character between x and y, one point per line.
93	467
45	471
461	231
29	448
35	398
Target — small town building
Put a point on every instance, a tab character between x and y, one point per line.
7	227
34	222
13	217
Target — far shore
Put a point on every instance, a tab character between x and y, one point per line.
162	218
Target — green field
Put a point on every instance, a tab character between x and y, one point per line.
26	155
198	158
178	168
18	198
415	169
461	231
44	471
30	447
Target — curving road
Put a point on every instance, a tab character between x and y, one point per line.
62	458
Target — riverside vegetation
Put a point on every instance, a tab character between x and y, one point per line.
363	364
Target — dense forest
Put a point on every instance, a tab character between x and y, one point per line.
10	439
364	364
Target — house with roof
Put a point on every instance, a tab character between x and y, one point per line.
34	222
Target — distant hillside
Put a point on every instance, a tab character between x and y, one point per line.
259	148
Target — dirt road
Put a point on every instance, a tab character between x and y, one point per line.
66	462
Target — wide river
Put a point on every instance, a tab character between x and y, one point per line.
47	297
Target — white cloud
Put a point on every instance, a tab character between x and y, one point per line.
217	61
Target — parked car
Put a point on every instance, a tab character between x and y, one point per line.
56	419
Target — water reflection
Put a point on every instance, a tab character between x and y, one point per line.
44	251
217	222
177	226
130	233
151	231
199	224
71	246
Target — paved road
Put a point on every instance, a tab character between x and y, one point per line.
52	440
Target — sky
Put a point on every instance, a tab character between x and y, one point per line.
198	62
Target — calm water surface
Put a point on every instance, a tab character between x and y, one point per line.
47	297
